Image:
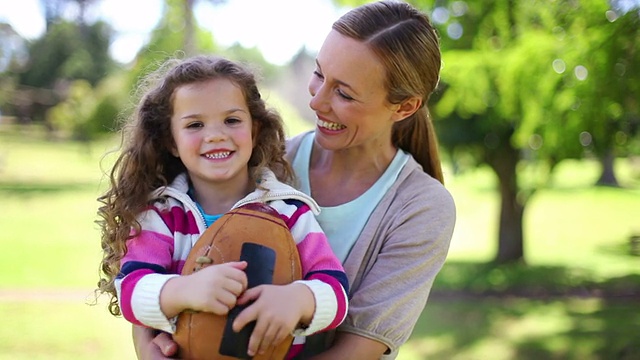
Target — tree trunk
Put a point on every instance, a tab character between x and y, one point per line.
608	175
189	45
504	162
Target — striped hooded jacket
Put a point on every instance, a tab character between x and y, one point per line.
172	225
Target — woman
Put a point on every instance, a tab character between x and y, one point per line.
372	165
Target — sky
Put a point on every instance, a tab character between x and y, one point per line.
279	28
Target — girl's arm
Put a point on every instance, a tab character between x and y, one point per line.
213	289
145	268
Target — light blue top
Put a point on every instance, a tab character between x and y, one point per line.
343	223
208	218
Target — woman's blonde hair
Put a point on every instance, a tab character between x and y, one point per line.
409	48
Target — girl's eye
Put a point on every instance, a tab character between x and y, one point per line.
194	125
232	121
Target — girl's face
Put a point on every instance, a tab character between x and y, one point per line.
211	127
349	98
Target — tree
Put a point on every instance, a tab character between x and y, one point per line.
606	61
526	76
513	89
13	56
61	55
176	34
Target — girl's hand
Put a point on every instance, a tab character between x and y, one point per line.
213	289
278	309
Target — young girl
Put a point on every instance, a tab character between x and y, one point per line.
202	143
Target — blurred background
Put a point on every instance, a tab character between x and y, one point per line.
538	115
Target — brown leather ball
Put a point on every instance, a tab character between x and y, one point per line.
199	334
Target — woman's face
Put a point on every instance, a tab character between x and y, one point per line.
349	98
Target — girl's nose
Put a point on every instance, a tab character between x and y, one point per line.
215	133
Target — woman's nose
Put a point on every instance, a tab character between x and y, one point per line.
319	100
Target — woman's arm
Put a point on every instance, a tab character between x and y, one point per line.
392	273
150	346
348	346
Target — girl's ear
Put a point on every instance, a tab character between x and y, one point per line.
255	129
174	150
407	108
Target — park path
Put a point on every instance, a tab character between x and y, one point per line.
88	296
36	295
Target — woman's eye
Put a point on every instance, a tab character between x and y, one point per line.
343	95
318	74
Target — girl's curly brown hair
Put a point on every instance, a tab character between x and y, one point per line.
145	162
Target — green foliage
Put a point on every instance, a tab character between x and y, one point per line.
88	112
66	52
69	51
294	124
71	115
532	82
555	73
606	101
168	40
253	57
104	117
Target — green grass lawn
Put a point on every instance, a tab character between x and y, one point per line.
46	326
568	223
576	239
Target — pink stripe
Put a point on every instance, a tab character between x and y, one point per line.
316	255
340	298
294	350
296	215
150	247
177	220
126	292
178	265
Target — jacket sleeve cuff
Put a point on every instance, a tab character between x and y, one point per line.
146	302
326	307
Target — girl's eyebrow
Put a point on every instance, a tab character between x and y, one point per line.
228	112
233	110
189	116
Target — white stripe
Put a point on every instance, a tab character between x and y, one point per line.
326	307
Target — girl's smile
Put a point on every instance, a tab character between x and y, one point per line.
218	154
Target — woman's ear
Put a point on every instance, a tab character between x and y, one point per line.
407	108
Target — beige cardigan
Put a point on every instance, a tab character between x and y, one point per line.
394	262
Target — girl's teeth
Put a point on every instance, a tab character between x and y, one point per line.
330	125
220	155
